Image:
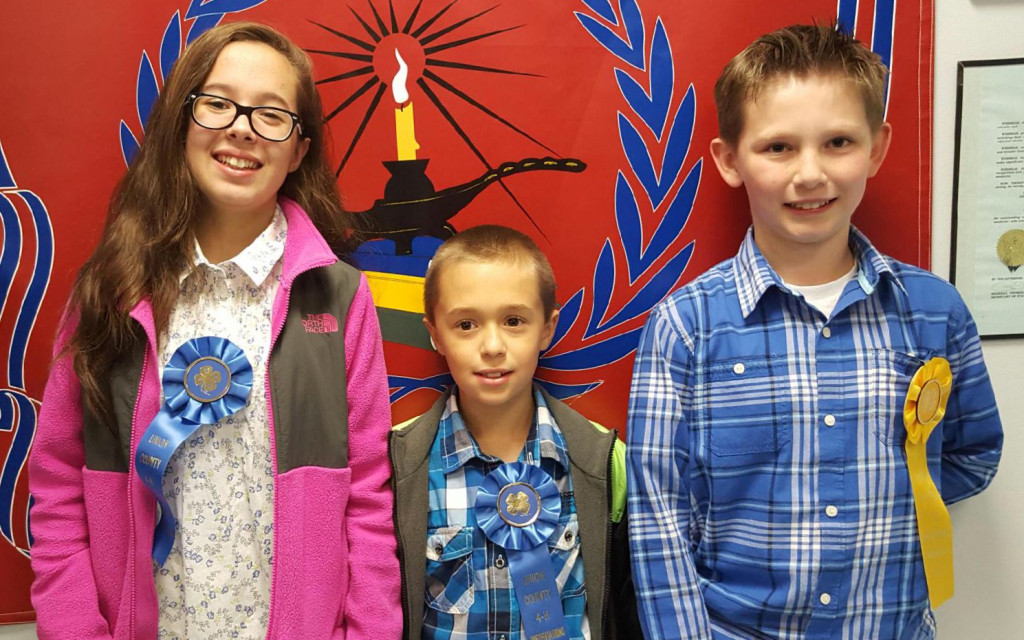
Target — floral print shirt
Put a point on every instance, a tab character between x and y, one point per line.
216	581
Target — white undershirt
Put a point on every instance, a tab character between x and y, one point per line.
824	297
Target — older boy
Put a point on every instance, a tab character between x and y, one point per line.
769	464
470	474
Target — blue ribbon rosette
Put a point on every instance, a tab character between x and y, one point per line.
517	506
206	379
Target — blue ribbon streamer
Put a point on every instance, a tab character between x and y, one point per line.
517	507
206	379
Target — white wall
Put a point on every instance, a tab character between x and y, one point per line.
989	602
18	632
989	561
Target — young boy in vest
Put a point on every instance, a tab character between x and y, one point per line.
509	504
774	491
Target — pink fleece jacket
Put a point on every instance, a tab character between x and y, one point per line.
335	571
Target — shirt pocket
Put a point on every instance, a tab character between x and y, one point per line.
747	406
449	577
564	548
887	382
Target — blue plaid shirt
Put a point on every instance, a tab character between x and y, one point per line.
768	489
469	593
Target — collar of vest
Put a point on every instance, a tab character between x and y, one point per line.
587	445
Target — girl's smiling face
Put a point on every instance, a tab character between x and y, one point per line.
238	172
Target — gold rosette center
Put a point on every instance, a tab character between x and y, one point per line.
926	398
929	400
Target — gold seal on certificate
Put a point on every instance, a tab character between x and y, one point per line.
1010	248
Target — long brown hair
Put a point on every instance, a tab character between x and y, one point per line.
148	236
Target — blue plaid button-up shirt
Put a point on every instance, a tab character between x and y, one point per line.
469	592
768	489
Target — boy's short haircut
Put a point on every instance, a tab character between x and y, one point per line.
490	243
800	51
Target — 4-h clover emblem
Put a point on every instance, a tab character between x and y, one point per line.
207	379
517	504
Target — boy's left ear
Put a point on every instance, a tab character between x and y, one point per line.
301	150
880	147
725	159
549	330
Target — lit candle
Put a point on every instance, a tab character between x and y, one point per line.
405	129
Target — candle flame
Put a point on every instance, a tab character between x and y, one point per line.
398	89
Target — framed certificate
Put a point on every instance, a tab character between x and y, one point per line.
988	195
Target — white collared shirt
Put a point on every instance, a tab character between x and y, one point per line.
216	581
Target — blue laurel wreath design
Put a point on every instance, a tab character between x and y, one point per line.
18	411
650	108
202	17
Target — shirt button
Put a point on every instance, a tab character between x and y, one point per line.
500	562
738	368
825	599
568	536
830	420
827	332
831	511
438	549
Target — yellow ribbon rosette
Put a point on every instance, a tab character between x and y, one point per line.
923	410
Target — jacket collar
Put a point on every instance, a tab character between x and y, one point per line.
586	447
304	249
456	445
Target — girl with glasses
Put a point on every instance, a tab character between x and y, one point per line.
211	457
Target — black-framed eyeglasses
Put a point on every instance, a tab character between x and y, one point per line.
217	112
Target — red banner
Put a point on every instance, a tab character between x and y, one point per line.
583	123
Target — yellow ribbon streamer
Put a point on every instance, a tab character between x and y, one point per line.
923	410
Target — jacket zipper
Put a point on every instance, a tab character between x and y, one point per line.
131	509
608	542
273	437
398	540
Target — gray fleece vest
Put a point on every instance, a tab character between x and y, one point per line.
590	454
